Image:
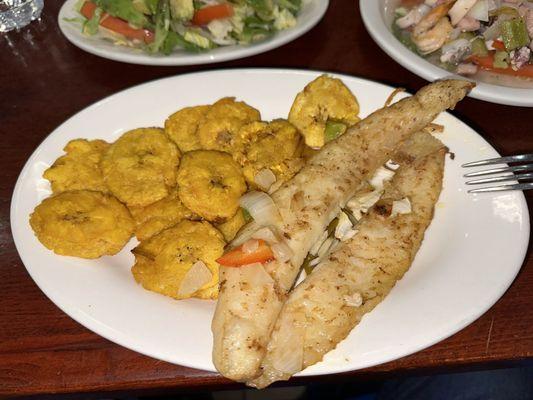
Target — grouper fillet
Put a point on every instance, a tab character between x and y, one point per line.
360	272
251	296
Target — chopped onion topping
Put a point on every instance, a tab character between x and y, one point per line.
360	205
460	9
392	165
381	176
265	178
250	246
196	277
354	300
401	207
480	11
261	207
343	225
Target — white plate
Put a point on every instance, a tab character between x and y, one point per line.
311	13
376	18
472	252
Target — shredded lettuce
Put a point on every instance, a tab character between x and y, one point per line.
196	38
284	19
174	40
125	10
162	23
291	5
90	27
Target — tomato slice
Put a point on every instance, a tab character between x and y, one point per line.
117	25
237	257
207	14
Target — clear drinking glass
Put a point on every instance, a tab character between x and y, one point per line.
15	14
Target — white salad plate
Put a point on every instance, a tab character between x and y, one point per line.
377	17
472	251
311	13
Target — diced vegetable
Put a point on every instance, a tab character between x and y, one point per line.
487	63
174	40
479	48
116	24
197	39
237	257
333	130
514	33
207	14
501	59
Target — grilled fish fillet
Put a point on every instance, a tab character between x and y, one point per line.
357	275
251	296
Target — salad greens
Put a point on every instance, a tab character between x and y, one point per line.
161	26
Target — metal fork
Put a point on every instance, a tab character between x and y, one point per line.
519	172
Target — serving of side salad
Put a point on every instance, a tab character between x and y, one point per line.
161	26
468	37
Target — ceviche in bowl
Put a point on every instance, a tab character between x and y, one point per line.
489	41
466	36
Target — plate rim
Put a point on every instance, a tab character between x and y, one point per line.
191	59
122	340
382	36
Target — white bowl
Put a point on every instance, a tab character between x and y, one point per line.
376	18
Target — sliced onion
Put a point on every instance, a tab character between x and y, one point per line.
265	178
250	246
261	207
196	277
460	9
281	251
265	234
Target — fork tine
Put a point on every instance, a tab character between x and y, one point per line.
516	168
500	160
516	186
519	177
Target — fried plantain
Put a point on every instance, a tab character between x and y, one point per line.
163	262
82	223
276	147
230	228
79	168
219	130
324	110
140	167
210	184
182	127
158	216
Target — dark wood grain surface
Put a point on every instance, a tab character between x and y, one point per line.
44	80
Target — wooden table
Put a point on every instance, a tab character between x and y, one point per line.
44	80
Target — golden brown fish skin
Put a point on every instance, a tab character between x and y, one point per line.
316	316
307	203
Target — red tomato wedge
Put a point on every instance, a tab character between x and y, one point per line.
207	14
487	63
117	25
237	257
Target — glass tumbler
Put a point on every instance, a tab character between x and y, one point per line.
15	14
